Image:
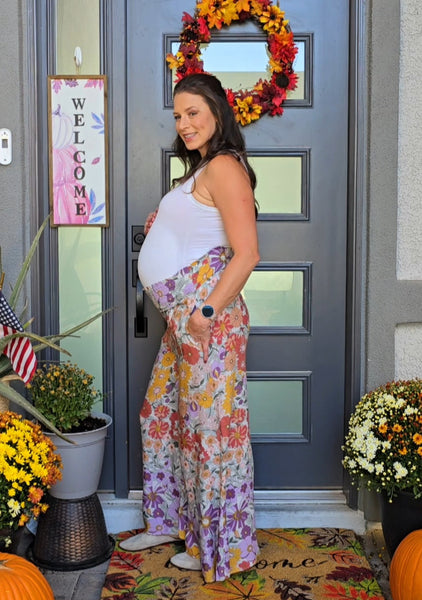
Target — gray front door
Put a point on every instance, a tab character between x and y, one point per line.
296	296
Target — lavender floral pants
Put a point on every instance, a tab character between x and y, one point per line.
198	465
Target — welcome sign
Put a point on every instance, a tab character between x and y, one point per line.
77	111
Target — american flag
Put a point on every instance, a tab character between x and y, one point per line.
19	350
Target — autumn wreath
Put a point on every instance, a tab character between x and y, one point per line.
267	96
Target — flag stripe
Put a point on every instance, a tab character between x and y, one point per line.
19	350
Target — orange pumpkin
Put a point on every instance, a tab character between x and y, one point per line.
406	568
21	580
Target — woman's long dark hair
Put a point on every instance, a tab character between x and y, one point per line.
227	138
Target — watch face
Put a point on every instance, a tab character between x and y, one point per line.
207	311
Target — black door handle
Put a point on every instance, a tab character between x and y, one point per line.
141	322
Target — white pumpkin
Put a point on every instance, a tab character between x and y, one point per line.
62	130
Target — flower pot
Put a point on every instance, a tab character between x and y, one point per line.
82	461
72	533
399	518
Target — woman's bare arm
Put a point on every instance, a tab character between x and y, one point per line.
227	184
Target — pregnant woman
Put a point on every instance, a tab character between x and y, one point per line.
200	249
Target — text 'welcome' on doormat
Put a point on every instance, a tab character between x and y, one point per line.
294	564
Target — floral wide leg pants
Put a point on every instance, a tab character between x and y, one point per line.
198	465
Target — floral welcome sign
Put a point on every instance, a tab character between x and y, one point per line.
78	150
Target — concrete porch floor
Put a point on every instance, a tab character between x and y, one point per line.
87	584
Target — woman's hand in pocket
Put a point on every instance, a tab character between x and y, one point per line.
199	328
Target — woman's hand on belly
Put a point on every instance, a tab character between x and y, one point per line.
150	220
199	328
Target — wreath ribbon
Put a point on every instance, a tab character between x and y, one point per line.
267	96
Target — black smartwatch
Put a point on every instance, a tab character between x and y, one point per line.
207	311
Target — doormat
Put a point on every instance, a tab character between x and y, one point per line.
294	564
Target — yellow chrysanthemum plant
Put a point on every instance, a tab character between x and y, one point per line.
267	96
383	445
29	467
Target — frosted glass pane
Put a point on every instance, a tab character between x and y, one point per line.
226	60
78	24
80	293
176	168
283	193
271	196
275	298
299	69
275	406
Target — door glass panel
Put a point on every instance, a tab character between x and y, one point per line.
299	69
275	298
226	60
272	196
276	407
72	31
176	169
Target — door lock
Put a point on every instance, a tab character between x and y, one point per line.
138	237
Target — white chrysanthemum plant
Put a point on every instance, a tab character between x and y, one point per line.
383	445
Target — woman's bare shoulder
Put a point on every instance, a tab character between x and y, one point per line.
224	165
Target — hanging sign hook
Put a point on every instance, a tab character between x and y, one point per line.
77	57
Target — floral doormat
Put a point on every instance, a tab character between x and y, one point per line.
294	564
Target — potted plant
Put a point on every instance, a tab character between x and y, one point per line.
383	452
69	546
39	342
28	469
73	534
64	393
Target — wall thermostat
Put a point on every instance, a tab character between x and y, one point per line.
5	146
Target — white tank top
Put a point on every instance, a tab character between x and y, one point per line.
183	231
